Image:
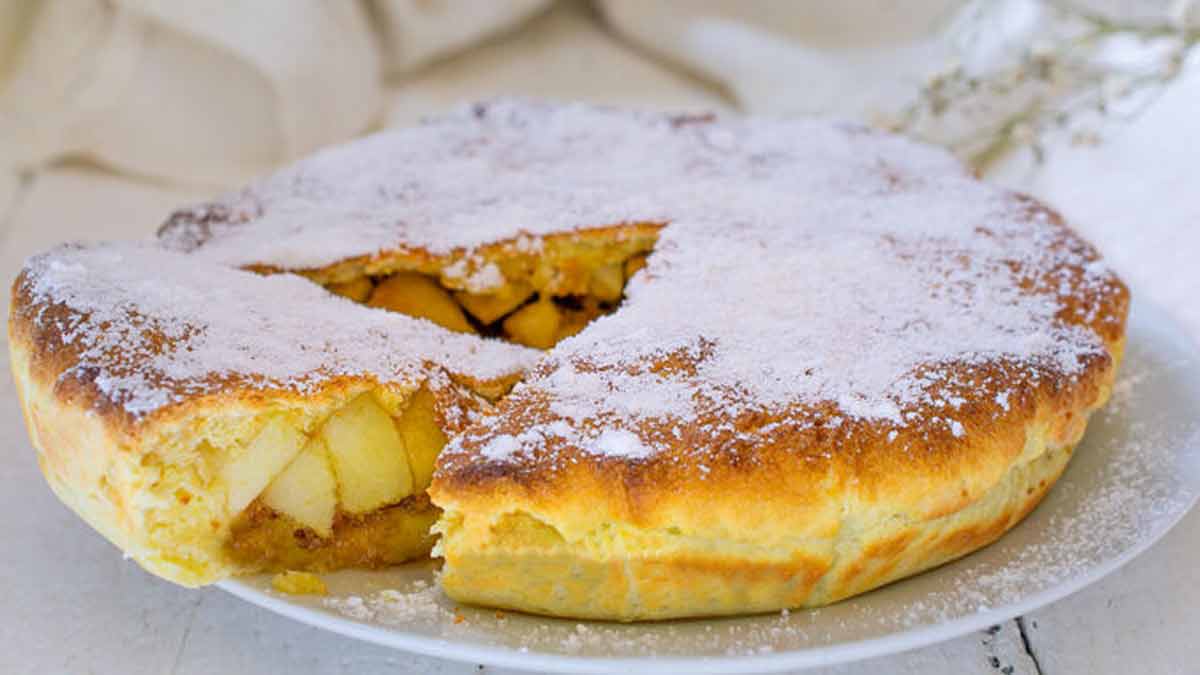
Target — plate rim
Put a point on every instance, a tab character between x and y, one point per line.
1155	318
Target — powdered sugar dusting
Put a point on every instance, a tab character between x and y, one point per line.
420	602
802	262
154	327
620	443
957	429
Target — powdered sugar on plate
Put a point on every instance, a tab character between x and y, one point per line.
422	601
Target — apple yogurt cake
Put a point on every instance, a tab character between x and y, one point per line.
604	364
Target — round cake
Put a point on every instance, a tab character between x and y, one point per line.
605	364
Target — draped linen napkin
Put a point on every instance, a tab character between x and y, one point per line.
212	93
860	58
193	92
565	55
864	59
416	32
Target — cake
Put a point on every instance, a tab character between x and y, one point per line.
606	364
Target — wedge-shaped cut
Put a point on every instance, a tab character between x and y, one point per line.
490	307
358	290
608	282
418	295
248	473
368	456
422	437
535	325
306	490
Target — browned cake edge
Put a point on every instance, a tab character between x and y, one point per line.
538	559
673	553
793	528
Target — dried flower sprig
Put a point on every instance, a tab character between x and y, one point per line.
1063	77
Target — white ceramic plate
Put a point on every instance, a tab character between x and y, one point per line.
1134	476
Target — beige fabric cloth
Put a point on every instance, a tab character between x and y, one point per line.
864	59
860	59
416	32
565	55
188	91
874	61
9	184
211	93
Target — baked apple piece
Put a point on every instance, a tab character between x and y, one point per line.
263	458
368	456
490	307
535	325
423	438
418	295
357	290
307	489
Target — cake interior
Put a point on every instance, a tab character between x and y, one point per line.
533	294
348	489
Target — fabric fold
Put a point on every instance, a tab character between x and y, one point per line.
187	92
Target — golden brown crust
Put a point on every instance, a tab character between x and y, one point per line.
720	546
104	460
550	577
908	498
88	444
925	471
880	460
147	484
755	502
36	330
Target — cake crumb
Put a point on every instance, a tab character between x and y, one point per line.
294	582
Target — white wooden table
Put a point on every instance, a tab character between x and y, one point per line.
71	604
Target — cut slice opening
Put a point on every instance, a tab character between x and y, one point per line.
349	488
350	492
530	294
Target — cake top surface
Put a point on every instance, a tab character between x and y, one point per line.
801	263
155	327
